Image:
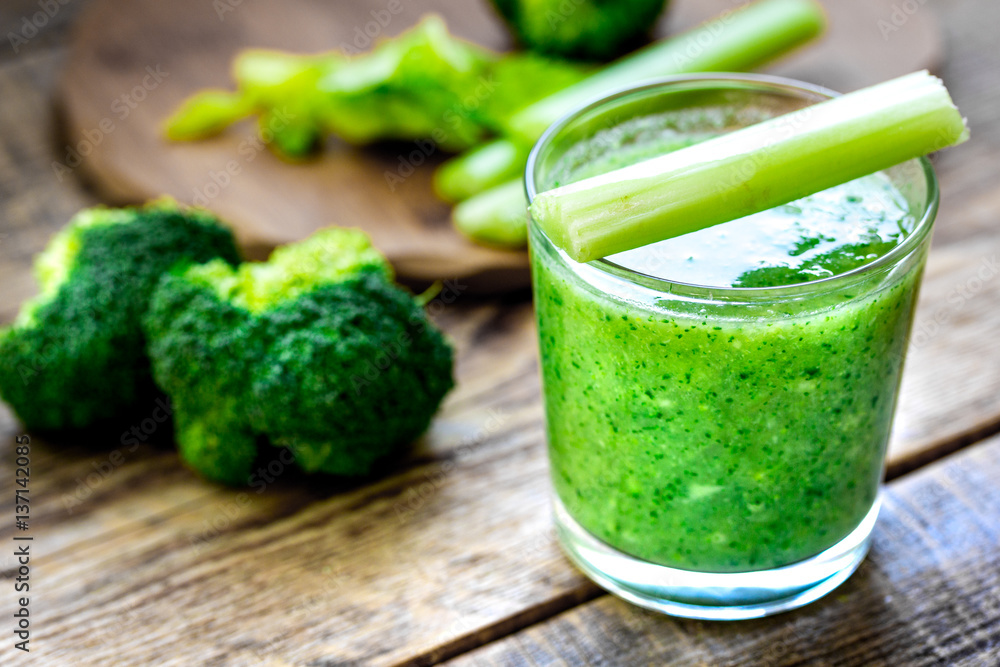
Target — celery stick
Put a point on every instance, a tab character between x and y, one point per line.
496	217
206	113
735	41
752	169
480	169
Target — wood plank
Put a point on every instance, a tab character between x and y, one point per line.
928	594
950	394
93	490
34	201
266	199
314	573
950	389
30	27
419	585
452	551
970	201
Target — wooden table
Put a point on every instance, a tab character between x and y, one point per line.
452	558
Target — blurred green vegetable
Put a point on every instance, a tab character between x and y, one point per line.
207	113
586	29
75	356
426	84
315	350
422	84
480	169
736	41
496	217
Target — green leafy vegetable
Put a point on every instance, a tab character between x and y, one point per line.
587	29
75	356
315	350
497	217
423	84
736	41
751	169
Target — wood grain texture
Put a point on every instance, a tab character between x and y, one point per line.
454	549
117	43
34	202
928	594
950	395
451	551
968	174
29	27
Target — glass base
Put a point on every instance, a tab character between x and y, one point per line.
727	596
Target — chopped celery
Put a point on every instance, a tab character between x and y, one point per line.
751	169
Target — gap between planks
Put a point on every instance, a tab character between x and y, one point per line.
589	592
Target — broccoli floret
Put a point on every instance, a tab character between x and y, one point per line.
75	355
585	29
316	350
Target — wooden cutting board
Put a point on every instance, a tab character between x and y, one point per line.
131	62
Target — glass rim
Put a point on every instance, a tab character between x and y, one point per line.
764	81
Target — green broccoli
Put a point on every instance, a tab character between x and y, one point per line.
585	29
315	350
75	355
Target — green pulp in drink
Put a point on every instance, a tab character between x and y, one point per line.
733	437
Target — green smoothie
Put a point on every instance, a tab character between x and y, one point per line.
736	436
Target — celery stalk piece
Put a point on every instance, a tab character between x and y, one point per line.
205	114
480	169
736	41
751	169
496	217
